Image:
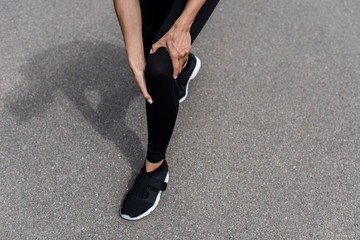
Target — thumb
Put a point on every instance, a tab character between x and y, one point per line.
155	47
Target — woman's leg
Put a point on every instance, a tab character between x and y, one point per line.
144	196
161	115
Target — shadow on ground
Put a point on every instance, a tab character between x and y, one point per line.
95	77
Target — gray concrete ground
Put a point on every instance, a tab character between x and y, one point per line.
266	146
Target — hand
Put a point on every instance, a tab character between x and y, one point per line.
139	76
177	41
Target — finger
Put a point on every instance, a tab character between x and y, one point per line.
176	64
146	94
180	66
182	62
185	62
147	97
155	47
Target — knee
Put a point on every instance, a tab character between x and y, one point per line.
158	67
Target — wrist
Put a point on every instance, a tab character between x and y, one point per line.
138	73
183	23
137	67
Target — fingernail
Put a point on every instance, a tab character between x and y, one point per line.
150	51
149	101
175	77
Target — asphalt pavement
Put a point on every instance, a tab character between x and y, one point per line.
266	146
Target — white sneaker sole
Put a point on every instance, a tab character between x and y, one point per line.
127	217
192	76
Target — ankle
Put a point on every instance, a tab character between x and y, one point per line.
149	166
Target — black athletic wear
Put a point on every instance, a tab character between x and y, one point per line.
145	194
158	16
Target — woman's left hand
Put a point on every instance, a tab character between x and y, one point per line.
177	41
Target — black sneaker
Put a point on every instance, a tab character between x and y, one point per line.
144	196
188	74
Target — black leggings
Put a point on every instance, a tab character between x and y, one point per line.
158	16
